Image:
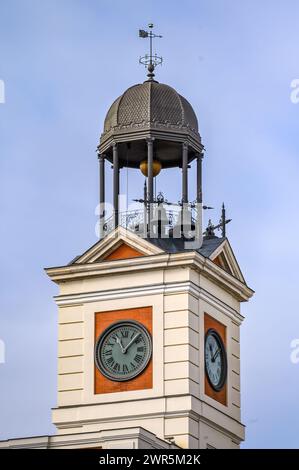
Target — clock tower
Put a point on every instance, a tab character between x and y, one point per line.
149	317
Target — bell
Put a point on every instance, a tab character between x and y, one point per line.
156	167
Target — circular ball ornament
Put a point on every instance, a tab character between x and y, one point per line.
157	167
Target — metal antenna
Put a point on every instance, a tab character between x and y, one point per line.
149	60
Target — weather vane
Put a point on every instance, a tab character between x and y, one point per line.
149	60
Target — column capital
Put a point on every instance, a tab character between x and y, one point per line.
150	140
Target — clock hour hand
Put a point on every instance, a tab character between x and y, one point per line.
121	346
131	342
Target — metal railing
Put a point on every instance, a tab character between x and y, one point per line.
165	218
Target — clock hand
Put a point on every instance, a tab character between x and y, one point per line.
121	346
131	342
215	355
211	351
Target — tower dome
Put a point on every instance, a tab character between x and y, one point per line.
150	110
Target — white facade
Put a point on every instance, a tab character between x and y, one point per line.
180	288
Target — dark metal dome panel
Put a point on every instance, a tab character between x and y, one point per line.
165	105
133	107
190	118
150	102
151	109
111	117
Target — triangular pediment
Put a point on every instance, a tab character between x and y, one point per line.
123	251
224	257
119	244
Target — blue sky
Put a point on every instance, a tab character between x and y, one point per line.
63	62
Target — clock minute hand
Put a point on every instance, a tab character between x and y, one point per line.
211	352
215	355
131	342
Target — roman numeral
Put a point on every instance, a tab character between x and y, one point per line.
108	353
125	334
110	360
133	366
125	369
116	367
138	339
140	349
138	358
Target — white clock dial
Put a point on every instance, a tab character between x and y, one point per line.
215	360
123	350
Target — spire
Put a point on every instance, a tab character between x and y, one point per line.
149	60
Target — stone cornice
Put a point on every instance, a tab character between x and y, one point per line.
173	133
163	261
88	439
196	409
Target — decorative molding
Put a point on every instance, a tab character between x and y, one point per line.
86	440
142	131
151	124
186	412
169	288
159	261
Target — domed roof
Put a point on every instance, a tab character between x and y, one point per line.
151	109
151	102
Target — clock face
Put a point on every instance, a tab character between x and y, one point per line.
123	350
215	360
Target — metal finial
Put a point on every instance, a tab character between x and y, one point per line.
223	221
160	198
149	60
210	230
